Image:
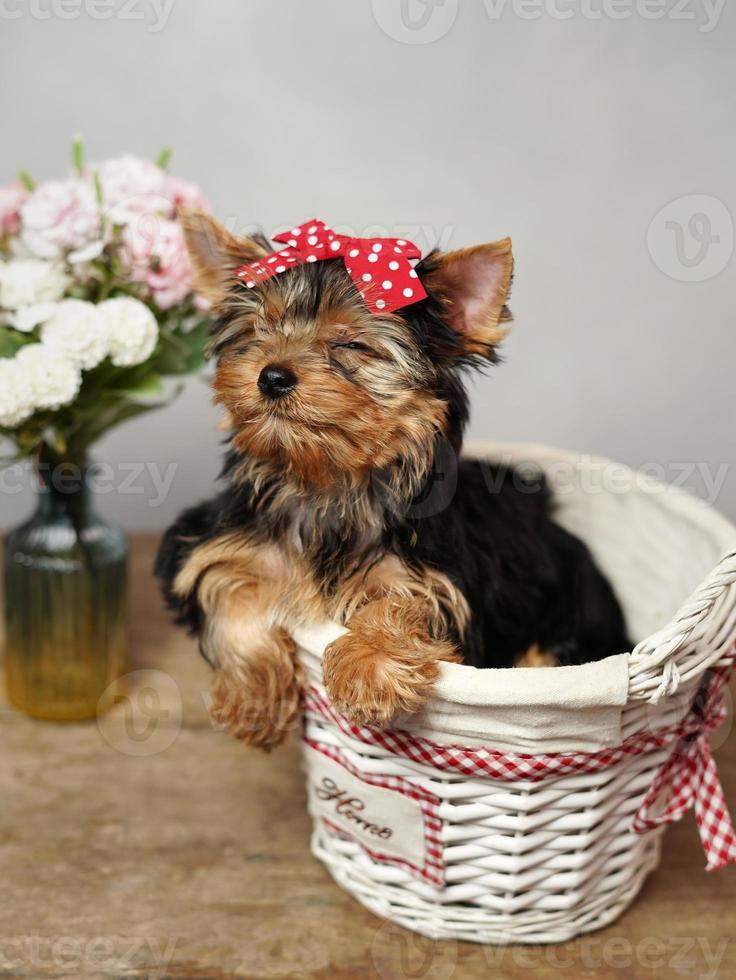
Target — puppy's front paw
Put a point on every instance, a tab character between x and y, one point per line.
258	704
372	676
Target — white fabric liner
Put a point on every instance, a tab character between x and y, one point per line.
562	708
574	708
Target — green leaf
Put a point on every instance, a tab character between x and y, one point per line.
58	440
183	351
25	178
28	436
78	155
11	341
172	354
164	158
122	413
149	387
98	186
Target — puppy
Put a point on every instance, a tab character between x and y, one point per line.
343	495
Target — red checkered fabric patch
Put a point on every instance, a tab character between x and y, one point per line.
433	868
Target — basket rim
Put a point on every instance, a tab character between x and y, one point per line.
677	499
461	684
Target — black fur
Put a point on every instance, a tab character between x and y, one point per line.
527	580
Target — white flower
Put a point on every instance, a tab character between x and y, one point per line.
132	186
60	215
27	318
54	381
78	333
16	397
87	252
25	282
132	330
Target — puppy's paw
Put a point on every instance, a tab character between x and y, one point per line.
259	702
372	676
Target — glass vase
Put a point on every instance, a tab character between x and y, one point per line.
65	598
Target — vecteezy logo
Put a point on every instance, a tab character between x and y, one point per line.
415	21
401	955
145	714
691	238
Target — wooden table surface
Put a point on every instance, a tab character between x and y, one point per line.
151	845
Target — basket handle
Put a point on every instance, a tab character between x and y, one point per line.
689	644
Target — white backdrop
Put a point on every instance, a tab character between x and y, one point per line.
568	125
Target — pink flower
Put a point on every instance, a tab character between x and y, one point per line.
183	193
59	215
132	186
156	256
11	198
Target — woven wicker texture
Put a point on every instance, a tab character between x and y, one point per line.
535	860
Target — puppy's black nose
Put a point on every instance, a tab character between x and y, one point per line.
276	381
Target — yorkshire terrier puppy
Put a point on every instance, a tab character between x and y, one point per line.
343	498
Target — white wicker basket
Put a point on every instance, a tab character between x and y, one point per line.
418	824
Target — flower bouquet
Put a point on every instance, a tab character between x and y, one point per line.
96	311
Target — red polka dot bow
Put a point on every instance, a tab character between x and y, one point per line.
379	267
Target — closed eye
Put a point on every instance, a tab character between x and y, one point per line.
351	345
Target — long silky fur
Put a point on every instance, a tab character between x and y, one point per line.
347	498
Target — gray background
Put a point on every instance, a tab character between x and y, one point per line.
569	134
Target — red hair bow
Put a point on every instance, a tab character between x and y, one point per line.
379	267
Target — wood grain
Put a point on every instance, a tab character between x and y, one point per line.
151	845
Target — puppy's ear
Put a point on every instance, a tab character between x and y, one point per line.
473	286
215	254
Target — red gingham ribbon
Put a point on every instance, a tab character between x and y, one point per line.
690	770
379	267
690	778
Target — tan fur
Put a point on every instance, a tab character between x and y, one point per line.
251	595
352	438
275	582
259	702
534	657
474	284
330	432
242	588
429	589
214	254
388	662
352	412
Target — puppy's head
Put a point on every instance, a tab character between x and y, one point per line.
312	380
